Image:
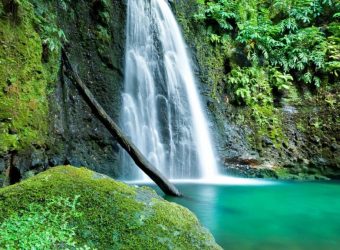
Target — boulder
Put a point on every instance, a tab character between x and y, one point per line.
96	212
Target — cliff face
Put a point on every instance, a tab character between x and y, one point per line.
24	83
96	39
297	137
43	120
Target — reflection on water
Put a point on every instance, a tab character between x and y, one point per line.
289	216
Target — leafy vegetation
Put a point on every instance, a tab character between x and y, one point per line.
46	21
299	38
274	52
42	226
254	85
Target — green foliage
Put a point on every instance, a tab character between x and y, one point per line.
40	226
52	36
280	81
250	85
268	123
289	34
333	50
254	85
277	47
220	11
29	63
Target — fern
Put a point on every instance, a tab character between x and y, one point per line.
286	41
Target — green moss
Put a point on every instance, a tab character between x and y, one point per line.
266	122
284	174
301	126
292	173
24	80
114	215
102	35
41	226
211	59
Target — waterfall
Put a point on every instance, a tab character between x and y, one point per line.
162	112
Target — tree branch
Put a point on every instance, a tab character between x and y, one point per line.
113	128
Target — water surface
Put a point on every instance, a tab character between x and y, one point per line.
279	215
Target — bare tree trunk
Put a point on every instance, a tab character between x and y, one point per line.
113	128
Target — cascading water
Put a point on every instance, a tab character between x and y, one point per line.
162	112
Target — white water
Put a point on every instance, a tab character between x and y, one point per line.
217	181
162	112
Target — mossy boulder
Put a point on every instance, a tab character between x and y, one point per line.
112	215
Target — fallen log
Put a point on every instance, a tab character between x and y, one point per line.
167	187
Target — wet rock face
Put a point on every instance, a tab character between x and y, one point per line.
306	149
304	144
96	34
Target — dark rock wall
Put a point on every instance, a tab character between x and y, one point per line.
96	34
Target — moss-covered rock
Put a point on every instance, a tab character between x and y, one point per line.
112	215
24	80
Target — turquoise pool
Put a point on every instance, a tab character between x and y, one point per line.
278	215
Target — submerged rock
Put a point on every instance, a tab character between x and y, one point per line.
110	214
